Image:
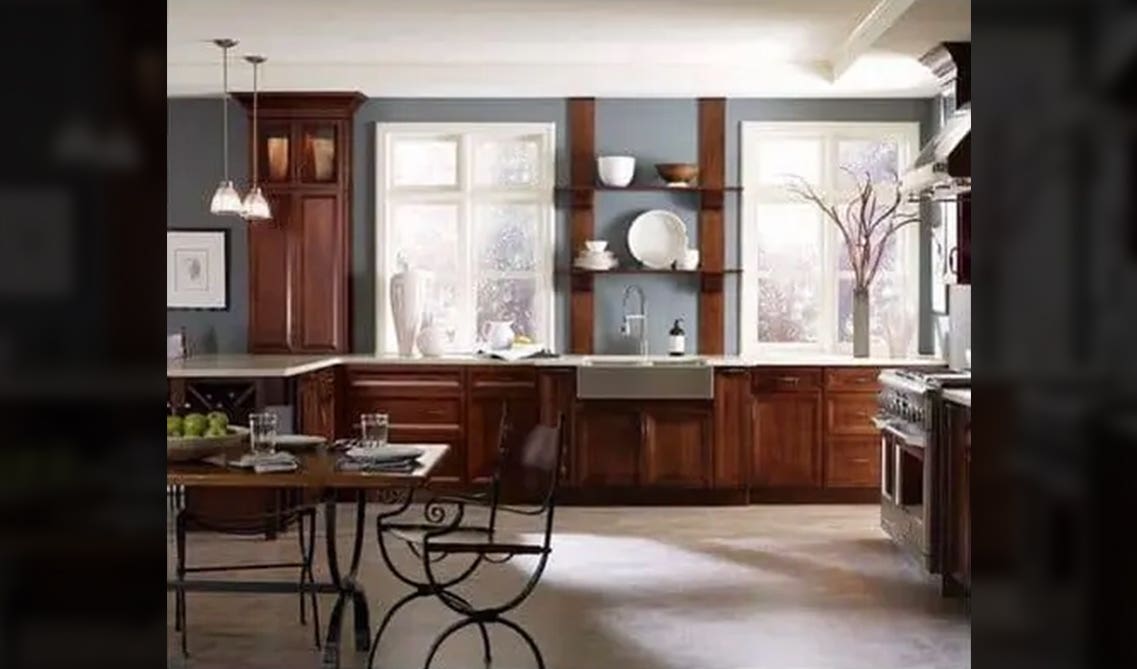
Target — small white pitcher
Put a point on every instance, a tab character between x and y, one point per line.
498	334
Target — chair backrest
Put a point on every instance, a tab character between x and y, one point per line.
542	453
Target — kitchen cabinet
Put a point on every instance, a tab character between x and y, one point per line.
556	390
732	429
299	261
424	404
644	445
317	397
607	444
492	393
956	549
676	447
786	440
852	462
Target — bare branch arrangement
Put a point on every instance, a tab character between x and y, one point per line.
866	222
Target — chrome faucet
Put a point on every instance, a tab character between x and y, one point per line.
639	317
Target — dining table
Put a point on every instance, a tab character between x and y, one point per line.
321	471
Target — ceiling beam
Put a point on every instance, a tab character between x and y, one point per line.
883	15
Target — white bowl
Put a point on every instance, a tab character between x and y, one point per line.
616	170
689	260
596	245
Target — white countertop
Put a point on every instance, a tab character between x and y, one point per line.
958	395
243	365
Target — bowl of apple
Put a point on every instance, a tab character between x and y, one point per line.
196	436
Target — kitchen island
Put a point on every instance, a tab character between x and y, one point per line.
793	428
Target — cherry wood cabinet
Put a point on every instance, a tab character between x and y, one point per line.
665	444
852	462
957	486
607	444
319	402
676	447
492	392
299	261
786	440
425	404
732	429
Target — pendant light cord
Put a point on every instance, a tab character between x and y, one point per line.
225	110
256	138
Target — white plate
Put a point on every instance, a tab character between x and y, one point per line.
657	238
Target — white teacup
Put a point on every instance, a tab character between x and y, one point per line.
616	170
690	259
595	246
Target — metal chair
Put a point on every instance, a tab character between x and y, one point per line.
446	532
307	540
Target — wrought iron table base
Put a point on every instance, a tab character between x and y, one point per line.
343	583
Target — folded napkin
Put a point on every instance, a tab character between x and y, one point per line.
389	453
263	463
395	466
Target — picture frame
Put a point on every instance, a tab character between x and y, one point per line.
197	269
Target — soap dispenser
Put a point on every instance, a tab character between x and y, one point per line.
677	339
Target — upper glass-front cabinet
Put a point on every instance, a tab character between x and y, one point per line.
318	142
275	148
292	152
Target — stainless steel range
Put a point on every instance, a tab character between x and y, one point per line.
910	490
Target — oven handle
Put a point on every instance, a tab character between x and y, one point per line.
885	425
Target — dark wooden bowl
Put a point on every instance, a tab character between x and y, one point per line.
677	172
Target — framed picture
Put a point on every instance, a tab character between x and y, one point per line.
197	266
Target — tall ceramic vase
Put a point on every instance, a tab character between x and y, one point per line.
860	322
408	303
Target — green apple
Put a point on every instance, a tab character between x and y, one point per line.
173	426
194	425
218	418
215	431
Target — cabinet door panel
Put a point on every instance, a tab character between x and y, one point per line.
852	462
319	286
732	428
787	440
850	413
269	277
485	438
319	405
677	447
608	446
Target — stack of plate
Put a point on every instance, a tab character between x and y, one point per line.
595	257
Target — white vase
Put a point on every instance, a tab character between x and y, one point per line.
408	303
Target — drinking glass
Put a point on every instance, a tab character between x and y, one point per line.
262	433
373	427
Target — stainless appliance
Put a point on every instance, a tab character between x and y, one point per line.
911	494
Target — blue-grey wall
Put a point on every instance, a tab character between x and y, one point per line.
652	129
193	169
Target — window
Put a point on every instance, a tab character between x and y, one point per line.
797	282
473	205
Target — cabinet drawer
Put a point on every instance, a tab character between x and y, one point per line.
785	379
411	383
436	415
852	462
505	382
852	378
850	413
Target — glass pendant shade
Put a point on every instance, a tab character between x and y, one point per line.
255	206
226	201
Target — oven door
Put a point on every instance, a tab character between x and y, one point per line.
898	444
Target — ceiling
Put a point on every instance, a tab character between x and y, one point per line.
761	48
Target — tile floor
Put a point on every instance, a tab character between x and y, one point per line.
760	587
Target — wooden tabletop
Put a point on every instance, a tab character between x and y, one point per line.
317	470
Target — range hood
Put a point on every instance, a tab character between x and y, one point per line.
942	169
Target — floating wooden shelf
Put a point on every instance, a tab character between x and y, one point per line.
648	188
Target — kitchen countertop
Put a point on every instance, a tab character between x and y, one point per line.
958	395
243	365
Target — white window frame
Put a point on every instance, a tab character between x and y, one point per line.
465	194
754	193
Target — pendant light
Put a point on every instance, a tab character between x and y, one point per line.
255	206
226	201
